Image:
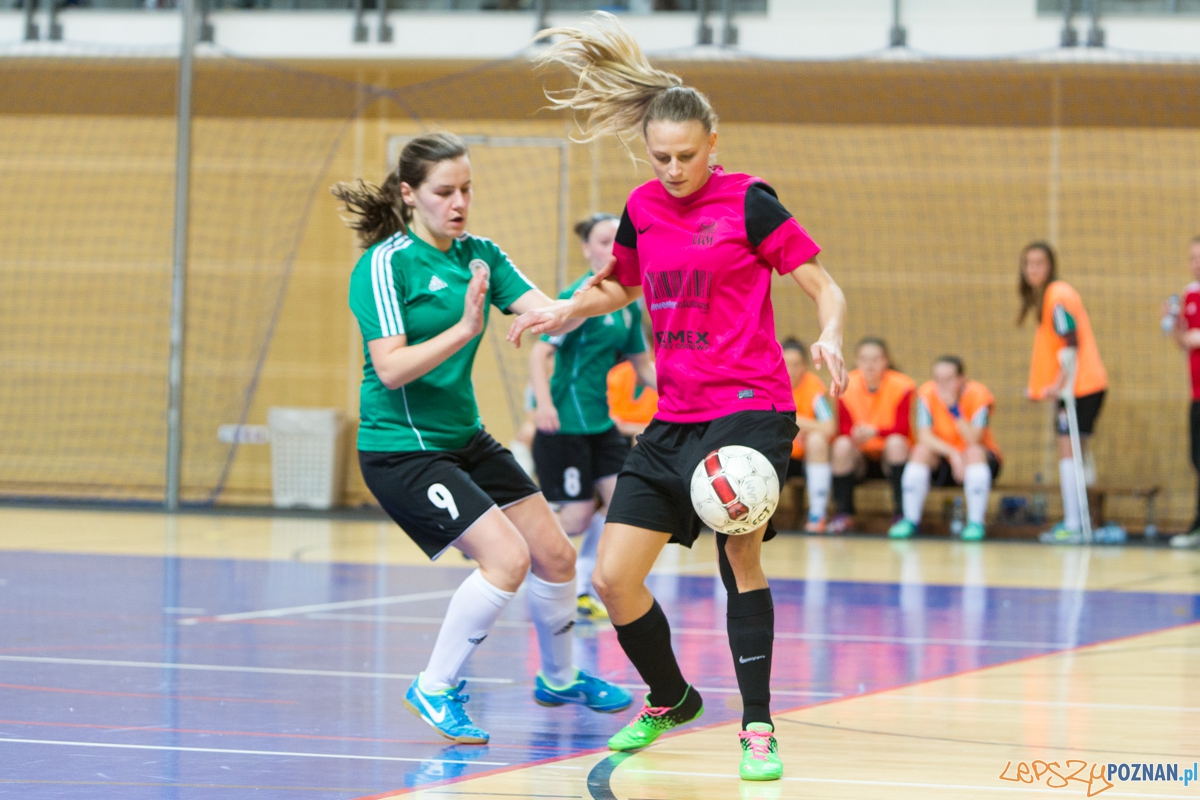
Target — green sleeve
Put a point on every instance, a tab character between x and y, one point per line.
635	343
1064	323
508	282
374	300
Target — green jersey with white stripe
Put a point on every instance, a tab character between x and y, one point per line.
579	385
404	285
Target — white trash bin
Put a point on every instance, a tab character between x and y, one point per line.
306	457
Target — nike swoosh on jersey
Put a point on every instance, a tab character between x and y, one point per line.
643	230
435	716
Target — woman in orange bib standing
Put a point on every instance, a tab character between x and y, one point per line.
1063	349
875	422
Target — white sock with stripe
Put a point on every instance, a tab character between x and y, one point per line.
552	607
915	483
473	610
977	482
1070	497
586	560
818	478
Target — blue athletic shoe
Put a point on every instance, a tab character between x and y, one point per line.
596	694
444	711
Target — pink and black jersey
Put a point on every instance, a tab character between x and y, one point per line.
704	263
1191	318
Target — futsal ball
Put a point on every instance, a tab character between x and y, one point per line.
735	490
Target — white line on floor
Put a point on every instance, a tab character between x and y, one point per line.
641	687
247	752
503	623
272	613
329	673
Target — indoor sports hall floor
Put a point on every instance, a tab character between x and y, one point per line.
218	656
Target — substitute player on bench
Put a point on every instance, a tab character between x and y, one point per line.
1187	336
955	447
818	426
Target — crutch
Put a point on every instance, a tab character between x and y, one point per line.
1068	398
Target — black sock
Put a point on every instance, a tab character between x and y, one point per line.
896	479
750	619
647	643
843	493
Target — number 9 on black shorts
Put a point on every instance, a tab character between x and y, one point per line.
436	495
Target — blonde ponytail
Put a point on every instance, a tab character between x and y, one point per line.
618	92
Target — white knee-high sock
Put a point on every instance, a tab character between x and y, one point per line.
1070	496
915	483
585	562
473	609
552	607
977	482
818	478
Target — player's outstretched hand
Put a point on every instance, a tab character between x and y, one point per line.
473	305
546	319
830	355
597	278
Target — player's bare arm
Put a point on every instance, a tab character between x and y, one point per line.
644	367
565	315
831	316
541	367
398	364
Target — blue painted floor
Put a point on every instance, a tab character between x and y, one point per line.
120	679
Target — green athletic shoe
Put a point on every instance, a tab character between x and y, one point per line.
652	722
973	532
760	753
902	530
1061	534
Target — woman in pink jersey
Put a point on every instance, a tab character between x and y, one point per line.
700	245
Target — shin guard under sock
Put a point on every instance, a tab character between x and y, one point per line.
647	643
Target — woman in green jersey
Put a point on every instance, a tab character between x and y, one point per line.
421	293
577	449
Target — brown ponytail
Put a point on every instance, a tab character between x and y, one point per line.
617	89
378	212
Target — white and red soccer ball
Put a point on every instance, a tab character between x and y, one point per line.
735	489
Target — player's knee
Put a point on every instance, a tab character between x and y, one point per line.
843	454
575	517
975	455
816	447
896	449
506	567
922	455
604	581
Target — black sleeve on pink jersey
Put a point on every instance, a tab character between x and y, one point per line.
626	233
764	213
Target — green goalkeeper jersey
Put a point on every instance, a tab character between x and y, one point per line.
404	285
579	384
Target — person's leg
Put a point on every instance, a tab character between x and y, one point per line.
750	620
915	481
818	478
550	587
1194	428
585	564
977	483
624	560
845	460
1067	478
895	455
503	561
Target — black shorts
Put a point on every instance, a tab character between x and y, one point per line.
1087	409
944	476
435	495
654	489
569	465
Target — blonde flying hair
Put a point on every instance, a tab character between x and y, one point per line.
617	91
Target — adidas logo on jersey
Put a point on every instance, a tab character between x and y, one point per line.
436	284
